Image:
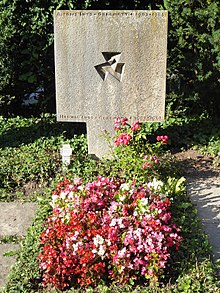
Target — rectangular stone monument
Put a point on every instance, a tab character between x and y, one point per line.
109	64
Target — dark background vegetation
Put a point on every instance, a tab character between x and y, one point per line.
27	52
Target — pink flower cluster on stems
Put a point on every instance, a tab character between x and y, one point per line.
123	139
162	138
150	161
121	124
135	126
106	228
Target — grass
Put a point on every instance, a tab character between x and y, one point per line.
31	167
30	154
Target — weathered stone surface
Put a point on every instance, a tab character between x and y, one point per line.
16	217
110	64
205	193
6	261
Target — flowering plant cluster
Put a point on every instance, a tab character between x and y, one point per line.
162	138
121	127
136	156
107	229
126	133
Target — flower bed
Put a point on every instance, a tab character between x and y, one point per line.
107	229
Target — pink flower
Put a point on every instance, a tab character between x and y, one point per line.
117	124
135	126
117	127
158	138
163	138
155	159
123	139
124	121
162	264
117	121
77	181
146	165
115	258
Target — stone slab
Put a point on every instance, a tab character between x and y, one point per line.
6	262
16	217
110	64
205	194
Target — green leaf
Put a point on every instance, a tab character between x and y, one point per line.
10	253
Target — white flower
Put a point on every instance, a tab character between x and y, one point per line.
108	242
125	187
70	196
121	225
113	223
121	253
135	213
163	196
98	240
144	201
101	251
54	197
75	246
76	233
155	184
63	195
122	197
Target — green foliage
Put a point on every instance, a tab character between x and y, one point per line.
11	239
26	50
193	55
27	53
30	153
27	163
191	131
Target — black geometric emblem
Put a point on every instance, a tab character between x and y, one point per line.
111	66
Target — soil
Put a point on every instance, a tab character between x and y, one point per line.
198	166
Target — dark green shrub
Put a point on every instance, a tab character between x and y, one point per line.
27	54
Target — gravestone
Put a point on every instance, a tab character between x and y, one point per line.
109	64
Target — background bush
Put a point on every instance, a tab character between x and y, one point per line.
27	53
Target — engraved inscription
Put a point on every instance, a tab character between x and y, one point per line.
111	118
109	13
111	66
